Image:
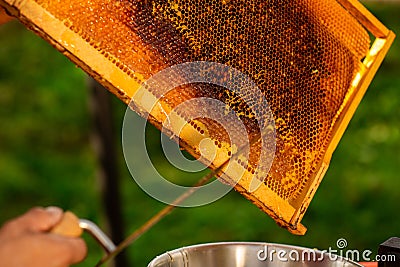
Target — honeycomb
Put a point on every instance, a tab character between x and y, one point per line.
303	55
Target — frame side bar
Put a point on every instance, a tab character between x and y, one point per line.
362	14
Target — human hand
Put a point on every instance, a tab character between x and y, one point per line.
27	242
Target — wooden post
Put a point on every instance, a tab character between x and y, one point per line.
104	144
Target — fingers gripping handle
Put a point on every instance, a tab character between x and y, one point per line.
70	225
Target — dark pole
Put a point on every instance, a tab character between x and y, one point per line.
104	144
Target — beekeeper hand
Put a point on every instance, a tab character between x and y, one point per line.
26	242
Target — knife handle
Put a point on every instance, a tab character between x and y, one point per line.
68	226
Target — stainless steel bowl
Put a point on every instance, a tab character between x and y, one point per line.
249	254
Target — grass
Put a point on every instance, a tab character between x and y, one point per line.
46	159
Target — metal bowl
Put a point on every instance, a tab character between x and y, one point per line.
251	254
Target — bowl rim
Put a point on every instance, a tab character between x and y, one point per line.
211	245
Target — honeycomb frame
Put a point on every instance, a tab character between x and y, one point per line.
123	82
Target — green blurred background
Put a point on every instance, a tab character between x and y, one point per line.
46	158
